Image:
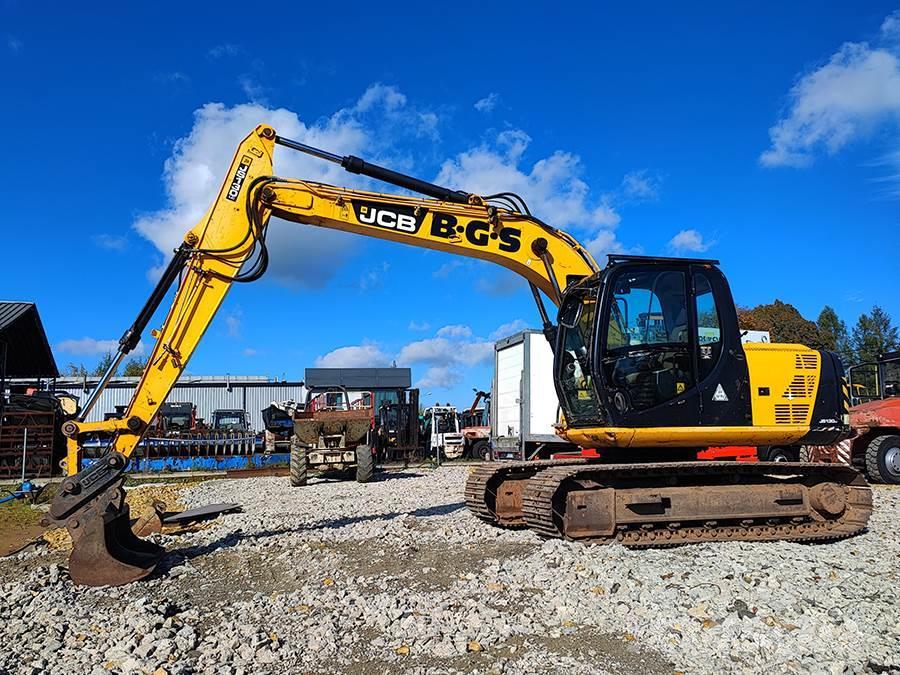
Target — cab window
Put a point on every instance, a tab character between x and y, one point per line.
709	331
646	356
576	385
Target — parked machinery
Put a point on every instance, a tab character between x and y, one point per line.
475	426
874	446
178	432
650	396
331	435
278	420
440	431
524	401
395	435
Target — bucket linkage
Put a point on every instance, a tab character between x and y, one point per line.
91	506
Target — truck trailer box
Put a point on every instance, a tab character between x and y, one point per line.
524	405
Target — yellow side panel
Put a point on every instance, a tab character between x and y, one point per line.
790	373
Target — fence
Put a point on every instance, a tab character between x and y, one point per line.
26	434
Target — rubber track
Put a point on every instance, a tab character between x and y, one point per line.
540	514
481	485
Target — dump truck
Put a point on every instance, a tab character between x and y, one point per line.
331	435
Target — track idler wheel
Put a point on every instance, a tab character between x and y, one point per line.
105	551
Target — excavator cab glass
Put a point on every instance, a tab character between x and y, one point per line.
647	357
575	341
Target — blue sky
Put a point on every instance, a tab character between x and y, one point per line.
768	139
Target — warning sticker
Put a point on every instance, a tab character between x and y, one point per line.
720	394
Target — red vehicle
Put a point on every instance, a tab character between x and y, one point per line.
475	426
874	446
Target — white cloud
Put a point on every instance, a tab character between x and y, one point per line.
439	377
110	242
373	277
14	44
419	326
441	351
890	28
850	97
88	346
445	270
233	323
220	51
640	186
552	186
488	103
299	255
356	356
603	244
507	329
379	94
689	240
253	90
452	349
455	331
249	351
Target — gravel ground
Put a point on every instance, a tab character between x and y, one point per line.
397	576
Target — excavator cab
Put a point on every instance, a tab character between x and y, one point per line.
640	345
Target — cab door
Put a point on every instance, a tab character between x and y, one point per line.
647	356
723	378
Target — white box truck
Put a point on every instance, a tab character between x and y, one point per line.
524	406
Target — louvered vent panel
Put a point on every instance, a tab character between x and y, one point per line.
791	413
806	361
801	386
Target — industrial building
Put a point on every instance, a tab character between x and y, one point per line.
208	392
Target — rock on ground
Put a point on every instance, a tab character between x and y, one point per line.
397	576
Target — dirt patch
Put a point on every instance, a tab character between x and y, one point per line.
19	524
422	565
234	575
618	654
140	500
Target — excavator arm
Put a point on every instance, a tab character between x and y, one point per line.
228	246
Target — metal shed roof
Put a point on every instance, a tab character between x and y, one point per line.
22	336
359	378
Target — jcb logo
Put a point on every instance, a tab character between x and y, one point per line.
238	179
391	217
476	232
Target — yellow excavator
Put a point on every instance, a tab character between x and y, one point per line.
648	368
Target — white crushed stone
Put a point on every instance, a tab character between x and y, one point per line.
397	576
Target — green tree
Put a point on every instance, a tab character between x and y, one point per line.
873	335
77	370
134	367
833	334
783	321
105	362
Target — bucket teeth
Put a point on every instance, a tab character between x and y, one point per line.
105	552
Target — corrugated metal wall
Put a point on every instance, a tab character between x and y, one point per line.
251	395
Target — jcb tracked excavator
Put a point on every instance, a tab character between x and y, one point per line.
648	366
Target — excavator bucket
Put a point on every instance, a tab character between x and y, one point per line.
105	551
151	523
